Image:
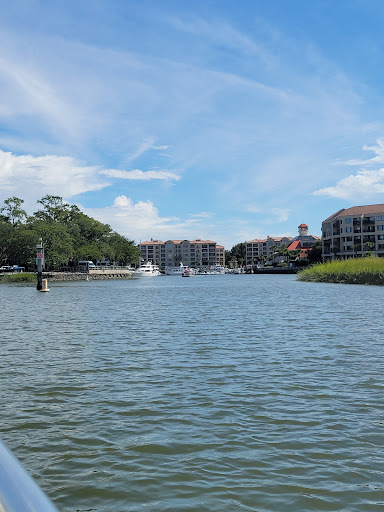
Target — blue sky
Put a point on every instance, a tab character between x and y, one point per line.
207	119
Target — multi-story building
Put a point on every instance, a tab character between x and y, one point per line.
303	242
353	231
196	253
257	250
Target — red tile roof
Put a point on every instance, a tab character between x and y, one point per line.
274	238
198	241
294	245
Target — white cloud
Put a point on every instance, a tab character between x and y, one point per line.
274	214
363	184
378	159
137	174
201	215
252	209
141	221
281	214
33	177
160	148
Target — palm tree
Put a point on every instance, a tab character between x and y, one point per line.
370	246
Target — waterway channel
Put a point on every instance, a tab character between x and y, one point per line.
212	393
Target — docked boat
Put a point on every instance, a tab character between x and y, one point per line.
188	272
215	270
175	271
147	269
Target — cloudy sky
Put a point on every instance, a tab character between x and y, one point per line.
211	119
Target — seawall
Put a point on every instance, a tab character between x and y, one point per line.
93	275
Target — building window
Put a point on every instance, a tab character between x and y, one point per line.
379	217
348	220
348	230
380	227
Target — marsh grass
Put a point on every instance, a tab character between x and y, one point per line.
22	277
368	270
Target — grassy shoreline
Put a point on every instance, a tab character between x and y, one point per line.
368	270
22	277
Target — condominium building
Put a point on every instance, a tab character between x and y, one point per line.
354	231
257	250
196	253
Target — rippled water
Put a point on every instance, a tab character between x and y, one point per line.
217	393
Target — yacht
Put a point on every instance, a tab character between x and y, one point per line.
175	271
146	269
214	270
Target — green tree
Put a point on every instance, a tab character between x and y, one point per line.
368	247
54	209
315	254
121	250
6	232
237	255
68	235
12	210
57	242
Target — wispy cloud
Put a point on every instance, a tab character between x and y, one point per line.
250	208
201	215
137	174
143	148
378	159
281	214
29	93
221	34
160	148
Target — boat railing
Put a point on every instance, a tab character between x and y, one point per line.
18	491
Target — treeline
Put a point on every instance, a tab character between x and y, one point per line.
68	236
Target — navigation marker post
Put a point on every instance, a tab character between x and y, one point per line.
40	264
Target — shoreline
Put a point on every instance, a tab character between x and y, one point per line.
29	277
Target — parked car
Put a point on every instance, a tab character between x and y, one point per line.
16	268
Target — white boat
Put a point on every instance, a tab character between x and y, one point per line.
215	270
147	269
175	271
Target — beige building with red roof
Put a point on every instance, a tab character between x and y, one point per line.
197	253
261	249
303	242
353	231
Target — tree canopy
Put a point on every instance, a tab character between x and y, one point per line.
236	256
68	236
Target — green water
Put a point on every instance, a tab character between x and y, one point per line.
215	393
